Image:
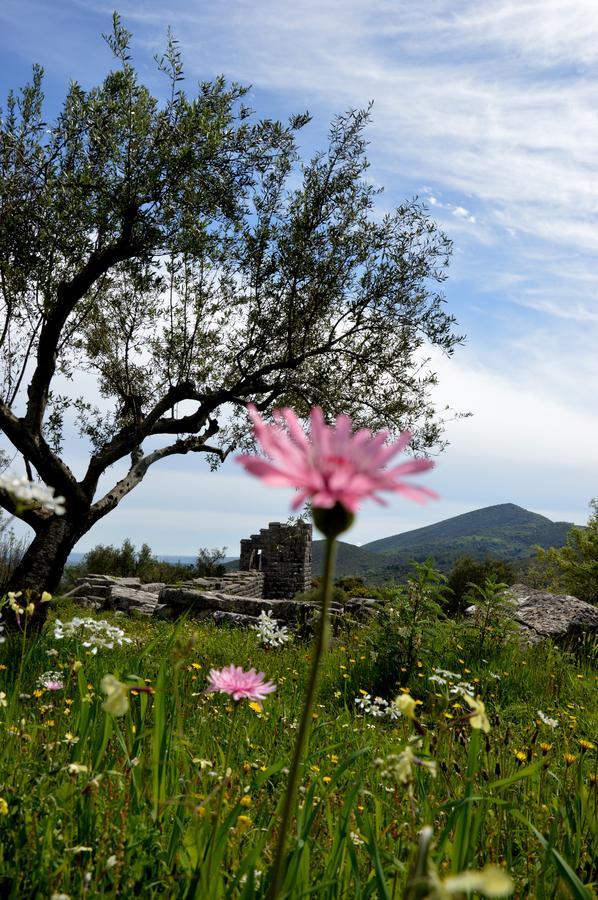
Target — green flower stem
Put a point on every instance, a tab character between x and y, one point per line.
319	649
221	791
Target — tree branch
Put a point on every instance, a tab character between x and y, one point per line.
68	294
34	448
32	517
193	444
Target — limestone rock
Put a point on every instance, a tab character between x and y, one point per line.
182	599
221	617
561	617
125	599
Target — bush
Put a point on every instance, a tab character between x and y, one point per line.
467	571
127	562
209	562
573	569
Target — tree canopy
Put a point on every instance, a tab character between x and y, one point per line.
573	568
182	256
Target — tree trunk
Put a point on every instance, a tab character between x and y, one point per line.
43	564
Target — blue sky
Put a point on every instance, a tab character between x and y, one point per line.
485	110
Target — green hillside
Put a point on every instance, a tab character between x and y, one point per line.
504	531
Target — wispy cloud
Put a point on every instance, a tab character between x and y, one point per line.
492	106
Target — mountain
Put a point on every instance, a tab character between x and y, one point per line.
504	531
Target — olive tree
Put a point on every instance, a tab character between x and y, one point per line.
181	257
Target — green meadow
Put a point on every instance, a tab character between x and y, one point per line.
180	796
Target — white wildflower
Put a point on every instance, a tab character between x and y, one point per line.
452	676
491	881
398	767
269	632
33	494
94	633
376	707
552	723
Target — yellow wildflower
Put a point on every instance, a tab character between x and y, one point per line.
478	719
117	696
405	705
45	597
3	807
491	881
243	821
245	800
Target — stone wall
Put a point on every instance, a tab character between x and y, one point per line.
283	553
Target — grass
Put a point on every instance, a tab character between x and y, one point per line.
179	797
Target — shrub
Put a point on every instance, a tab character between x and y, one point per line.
467	571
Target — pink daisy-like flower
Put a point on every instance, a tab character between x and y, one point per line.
239	685
333	464
51	681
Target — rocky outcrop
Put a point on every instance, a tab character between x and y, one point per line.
540	615
561	617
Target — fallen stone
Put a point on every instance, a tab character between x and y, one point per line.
193	601
128	598
221	617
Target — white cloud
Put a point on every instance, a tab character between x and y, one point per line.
492	106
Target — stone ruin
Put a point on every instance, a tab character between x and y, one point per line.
274	565
283	554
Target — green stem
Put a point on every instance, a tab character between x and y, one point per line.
319	650
214	838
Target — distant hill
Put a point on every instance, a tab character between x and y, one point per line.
504	531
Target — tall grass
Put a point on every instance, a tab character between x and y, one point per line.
181	796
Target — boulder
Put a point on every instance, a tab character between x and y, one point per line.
560	617
126	599
197	603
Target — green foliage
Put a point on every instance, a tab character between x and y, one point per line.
572	569
354	586
314	595
408	619
492	610
209	562
468	571
126	561
140	817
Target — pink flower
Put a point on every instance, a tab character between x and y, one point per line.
232	680
333	464
51	681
